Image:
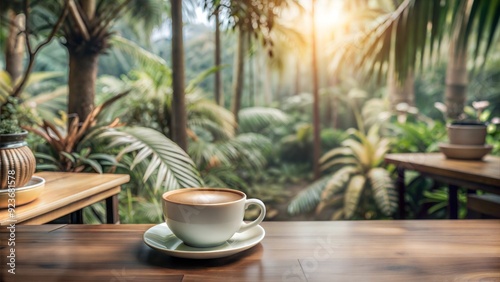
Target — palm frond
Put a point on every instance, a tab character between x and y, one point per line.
257	119
193	83
208	130
380	150
151	209
146	15
341	151
309	198
349	160
253	149
46	105
383	190
399	38
147	59
224	176
38	77
168	161
205	152
353	193
202	108
360	152
337	183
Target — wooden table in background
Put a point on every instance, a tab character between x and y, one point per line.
444	250
68	193
474	175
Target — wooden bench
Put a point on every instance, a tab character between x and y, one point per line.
483	206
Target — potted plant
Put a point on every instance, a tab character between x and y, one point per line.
467	137
16	158
469	132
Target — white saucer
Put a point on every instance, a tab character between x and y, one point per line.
160	237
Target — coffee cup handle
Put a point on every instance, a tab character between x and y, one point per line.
245	226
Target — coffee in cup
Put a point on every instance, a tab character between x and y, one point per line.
208	217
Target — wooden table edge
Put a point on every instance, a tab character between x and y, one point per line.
74	206
109	189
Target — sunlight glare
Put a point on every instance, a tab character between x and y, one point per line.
328	14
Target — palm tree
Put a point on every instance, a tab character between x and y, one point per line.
247	17
238	73
316	120
15	46
179	118
218	80
86	34
414	31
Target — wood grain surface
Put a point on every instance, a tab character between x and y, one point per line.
485	172
291	251
64	193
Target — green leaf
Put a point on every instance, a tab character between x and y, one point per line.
147	59
308	198
257	119
334	153
360	151
93	164
337	181
111	159
339	161
45	167
68	156
353	193
383	190
193	83
50	158
166	158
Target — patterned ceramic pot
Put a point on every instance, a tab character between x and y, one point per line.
16	160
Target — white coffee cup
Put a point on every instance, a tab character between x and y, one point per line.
208	217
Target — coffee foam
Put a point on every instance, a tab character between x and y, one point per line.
200	197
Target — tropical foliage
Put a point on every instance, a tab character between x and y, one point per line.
258	134
388	39
355	176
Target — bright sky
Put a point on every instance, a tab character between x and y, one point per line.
328	14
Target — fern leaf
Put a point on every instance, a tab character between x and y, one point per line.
257	119
308	198
353	193
167	159
383	190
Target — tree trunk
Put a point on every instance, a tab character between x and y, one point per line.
335	112
83	67
179	116
266	80
330	104
239	67
316	117
251	77
401	93
14	49
456	81
81	82
256	81
298	74
88	6
218	84
456	70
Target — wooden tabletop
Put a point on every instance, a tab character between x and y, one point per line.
486	171
64	193
291	251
